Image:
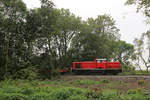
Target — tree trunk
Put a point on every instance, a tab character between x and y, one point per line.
147	69
6	60
138	64
50	53
29	51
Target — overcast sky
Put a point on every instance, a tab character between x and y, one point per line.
130	23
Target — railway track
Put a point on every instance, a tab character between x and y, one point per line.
121	76
109	77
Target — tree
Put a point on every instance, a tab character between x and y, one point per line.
47	38
32	31
143	5
12	18
95	38
124	53
42	28
139	44
67	26
138	51
104	25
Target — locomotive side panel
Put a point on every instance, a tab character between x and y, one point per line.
88	65
101	65
113	65
84	65
96	66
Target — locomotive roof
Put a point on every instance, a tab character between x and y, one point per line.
100	59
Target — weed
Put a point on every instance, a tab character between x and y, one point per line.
139	90
105	81
140	82
87	82
34	90
131	91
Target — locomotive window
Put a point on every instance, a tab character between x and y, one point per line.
99	61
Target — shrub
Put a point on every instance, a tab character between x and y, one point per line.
29	92
55	73
88	82
105	81
136	96
139	90
140	82
85	82
131	91
29	73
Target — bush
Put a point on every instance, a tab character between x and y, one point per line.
131	91
128	69
34	90
45	93
55	73
142	72
139	90
89	82
140	82
29	73
105	81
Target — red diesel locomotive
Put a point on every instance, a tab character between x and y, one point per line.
101	66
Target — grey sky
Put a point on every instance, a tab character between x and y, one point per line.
130	23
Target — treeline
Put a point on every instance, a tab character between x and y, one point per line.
48	38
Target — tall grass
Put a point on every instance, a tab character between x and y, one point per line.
37	90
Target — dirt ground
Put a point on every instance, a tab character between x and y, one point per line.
122	83
108	77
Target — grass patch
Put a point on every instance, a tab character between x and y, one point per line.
54	90
90	82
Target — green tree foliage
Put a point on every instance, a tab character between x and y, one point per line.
124	53
67	27
11	32
95	38
99	38
48	39
143	5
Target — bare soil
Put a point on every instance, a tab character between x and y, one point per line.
122	83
